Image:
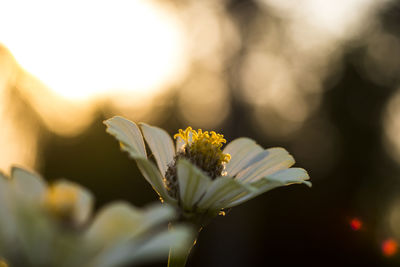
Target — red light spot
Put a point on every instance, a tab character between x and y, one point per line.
356	224
389	247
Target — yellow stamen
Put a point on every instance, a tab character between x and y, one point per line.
184	134
208	143
60	200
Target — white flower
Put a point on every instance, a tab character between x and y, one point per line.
51	225
199	177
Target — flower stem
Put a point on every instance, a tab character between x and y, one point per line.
178	257
175	260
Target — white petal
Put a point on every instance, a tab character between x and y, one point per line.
160	144
242	151
288	176
193	183
281	178
117	221
157	213
151	249
158	247
221	191
128	134
153	176
122	231
131	139
27	185
84	205
272	160
122	221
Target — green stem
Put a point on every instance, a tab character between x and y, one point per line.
179	258
175	260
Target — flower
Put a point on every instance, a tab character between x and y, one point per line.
197	175
51	225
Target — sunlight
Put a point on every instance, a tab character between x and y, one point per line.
338	18
83	49
334	19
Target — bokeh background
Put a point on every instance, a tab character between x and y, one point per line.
320	78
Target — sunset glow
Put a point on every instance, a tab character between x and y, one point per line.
82	49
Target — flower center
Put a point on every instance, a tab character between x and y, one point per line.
60	201
202	149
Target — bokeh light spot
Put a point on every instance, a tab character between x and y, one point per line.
203	101
389	247
356	224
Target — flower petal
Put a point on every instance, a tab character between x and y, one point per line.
193	183
242	151
158	247
139	251
221	191
121	230
115	222
291	175
157	213
153	176
27	185
160	144
280	178
128	134
271	160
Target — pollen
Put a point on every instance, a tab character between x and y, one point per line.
207	143
203	149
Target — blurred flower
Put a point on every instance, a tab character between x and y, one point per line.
43	225
199	177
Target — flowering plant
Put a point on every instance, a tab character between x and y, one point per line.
51	225
199	178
